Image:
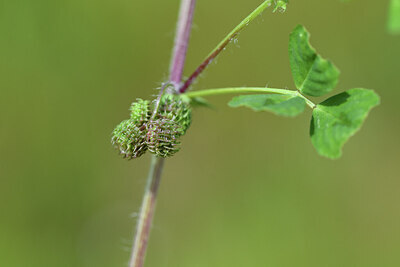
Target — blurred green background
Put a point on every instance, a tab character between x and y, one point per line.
247	189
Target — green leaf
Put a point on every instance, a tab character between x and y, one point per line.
280	5
284	105
312	74
339	117
394	17
196	101
201	102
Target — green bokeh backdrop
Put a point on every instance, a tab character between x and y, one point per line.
247	189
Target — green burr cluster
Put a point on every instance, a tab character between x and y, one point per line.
158	131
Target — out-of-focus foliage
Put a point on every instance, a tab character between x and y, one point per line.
394	17
393	20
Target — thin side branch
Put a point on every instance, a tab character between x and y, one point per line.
220	47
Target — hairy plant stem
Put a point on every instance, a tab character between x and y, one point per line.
239	90
153	181
147	212
221	46
183	29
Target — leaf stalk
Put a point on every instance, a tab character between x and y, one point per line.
240	90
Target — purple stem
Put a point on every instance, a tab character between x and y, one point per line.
150	197
181	41
204	64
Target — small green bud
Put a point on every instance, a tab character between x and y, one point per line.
140	111
173	107
129	139
163	137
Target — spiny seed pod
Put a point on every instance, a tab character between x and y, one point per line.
163	137
173	108
160	134
140	111
129	139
